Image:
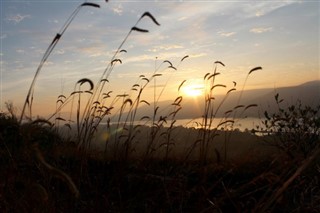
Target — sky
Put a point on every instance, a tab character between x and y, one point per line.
280	36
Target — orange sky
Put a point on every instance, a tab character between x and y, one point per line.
281	37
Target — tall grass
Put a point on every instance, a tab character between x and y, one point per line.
95	110
92	106
29	98
208	132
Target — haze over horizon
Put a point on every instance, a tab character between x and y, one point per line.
280	36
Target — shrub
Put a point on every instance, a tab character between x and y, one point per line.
294	129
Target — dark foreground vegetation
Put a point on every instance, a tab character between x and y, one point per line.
42	172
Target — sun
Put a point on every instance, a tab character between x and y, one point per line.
193	90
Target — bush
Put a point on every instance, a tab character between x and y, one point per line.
294	129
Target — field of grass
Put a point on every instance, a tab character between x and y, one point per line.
43	172
102	157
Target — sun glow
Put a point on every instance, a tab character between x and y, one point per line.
193	90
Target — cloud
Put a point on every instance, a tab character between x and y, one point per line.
182	18
93	51
95	55
261	30
197	55
53	21
140	58
165	47
226	34
17	18
20	51
262	8
60	52
259	13
118	10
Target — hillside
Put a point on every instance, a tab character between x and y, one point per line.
308	93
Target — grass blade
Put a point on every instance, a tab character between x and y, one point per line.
90	4
139	30
151	17
255	69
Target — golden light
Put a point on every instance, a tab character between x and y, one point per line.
193	90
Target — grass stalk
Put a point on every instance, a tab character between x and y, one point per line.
29	97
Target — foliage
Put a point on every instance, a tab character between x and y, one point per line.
25	152
294	129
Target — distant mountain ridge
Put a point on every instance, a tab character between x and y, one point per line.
308	93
